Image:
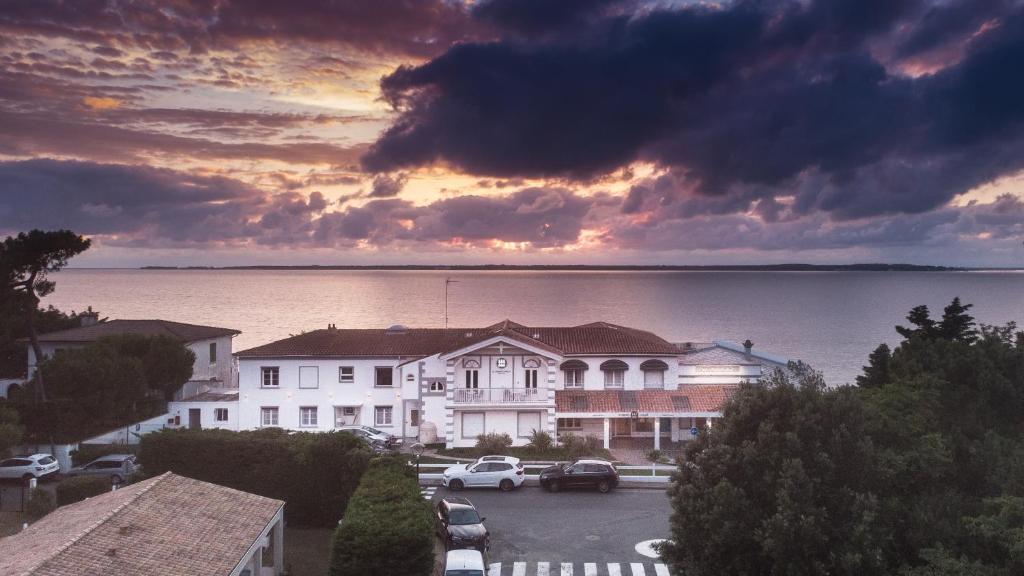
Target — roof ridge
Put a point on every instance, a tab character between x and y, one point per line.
103	520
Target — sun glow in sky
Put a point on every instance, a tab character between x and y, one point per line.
511	131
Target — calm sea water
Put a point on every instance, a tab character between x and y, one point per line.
831	320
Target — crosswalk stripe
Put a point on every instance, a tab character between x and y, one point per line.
494	569
613	569
590	569
661	570
637	569
543	569
566	569
519	569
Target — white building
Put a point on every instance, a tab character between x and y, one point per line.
621	384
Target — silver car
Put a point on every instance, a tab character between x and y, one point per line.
118	467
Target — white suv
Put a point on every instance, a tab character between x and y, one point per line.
25	467
504	472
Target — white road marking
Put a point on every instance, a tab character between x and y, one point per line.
661	570
543	569
566	569
590	569
613	569
519	569
637	569
494	569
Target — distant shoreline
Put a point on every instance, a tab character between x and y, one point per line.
608	268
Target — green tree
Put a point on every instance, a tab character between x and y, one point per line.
11	430
957	324
14	328
25	263
876	373
784	484
166	363
920	317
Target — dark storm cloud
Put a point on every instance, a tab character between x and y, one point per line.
534	17
385	185
749	101
148	207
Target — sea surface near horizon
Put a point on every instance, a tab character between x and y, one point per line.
832	320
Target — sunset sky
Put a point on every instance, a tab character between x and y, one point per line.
220	132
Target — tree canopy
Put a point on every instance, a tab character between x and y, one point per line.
918	471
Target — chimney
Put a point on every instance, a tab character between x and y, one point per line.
88	318
748	346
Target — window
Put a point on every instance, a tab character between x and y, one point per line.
574	378
531	378
220	414
614	378
654	379
437	386
307	416
268	416
472	378
384	375
472	424
346	374
213	352
570	424
271	376
382	416
644	425
309	377
414	417
528	422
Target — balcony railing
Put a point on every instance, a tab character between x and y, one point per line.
500	395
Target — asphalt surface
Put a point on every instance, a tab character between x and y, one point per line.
533	525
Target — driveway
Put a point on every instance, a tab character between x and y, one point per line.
572	532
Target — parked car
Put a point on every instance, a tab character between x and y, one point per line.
118	467
598	474
25	467
504	472
460	526
464	563
372	435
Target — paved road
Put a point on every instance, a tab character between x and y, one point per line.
577	527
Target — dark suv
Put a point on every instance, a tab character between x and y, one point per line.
598	474
460	526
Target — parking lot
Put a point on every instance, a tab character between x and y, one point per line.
531	527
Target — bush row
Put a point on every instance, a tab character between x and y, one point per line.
314	473
387	529
88	452
78	488
541	447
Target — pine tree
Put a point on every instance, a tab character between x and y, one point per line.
920	317
957	325
876	373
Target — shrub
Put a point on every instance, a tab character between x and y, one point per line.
40	503
580	446
314	473
386	514
540	440
493	443
88	452
79	488
654	456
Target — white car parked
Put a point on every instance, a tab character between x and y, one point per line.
504	472
25	467
464	563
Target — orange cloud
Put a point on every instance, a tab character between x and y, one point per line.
101	102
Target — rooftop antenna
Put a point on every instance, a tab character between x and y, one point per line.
447	281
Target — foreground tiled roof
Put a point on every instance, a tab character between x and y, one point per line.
165	525
596	338
693	398
176	330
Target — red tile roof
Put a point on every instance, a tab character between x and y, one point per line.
176	330
165	525
596	338
692	398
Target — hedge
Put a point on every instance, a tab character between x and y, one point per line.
314	473
79	488
388	528
88	452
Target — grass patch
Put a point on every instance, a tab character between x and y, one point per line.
307	551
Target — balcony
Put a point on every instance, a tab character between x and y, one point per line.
500	395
